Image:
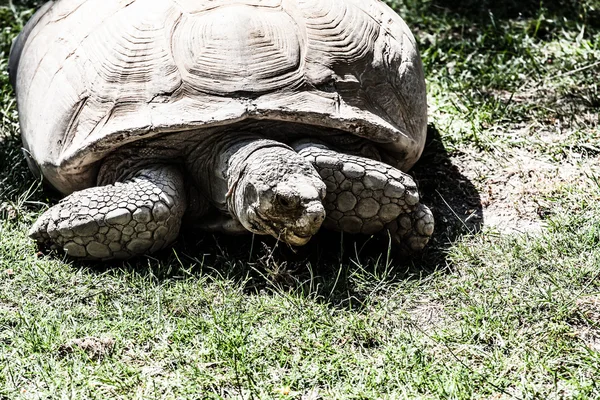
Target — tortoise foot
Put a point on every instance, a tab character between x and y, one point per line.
139	216
412	231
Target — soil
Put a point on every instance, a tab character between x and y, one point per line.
516	191
507	191
95	348
589	307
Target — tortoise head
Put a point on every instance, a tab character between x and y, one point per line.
279	193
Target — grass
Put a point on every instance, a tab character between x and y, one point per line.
504	304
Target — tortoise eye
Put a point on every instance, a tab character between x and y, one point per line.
286	201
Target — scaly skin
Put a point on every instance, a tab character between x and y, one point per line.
259	185
368	196
141	215
412	231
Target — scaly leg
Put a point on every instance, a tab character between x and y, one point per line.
368	196
138	216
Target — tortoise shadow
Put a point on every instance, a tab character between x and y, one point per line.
331	262
339	269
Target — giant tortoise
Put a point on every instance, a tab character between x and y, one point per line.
266	116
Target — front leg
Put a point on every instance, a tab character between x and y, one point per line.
138	216
368	196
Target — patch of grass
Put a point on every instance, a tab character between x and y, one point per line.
488	73
482	314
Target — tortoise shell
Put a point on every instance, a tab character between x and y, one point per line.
93	75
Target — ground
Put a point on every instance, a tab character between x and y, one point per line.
504	303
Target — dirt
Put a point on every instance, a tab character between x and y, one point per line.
510	187
428	314
517	190
589	306
510	190
95	348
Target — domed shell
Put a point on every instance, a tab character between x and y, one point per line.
93	75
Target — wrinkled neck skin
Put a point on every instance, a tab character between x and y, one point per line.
272	190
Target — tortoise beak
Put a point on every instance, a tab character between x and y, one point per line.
306	225
292	211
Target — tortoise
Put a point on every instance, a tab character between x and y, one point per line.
274	117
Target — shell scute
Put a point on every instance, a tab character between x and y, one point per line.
238	49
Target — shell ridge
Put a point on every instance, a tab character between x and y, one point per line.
167	96
226	3
74	121
24	39
66	15
259	55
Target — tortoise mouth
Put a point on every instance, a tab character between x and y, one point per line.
295	239
262	225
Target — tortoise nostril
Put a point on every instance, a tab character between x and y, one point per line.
316	213
318	218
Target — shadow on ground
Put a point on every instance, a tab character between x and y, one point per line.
335	265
